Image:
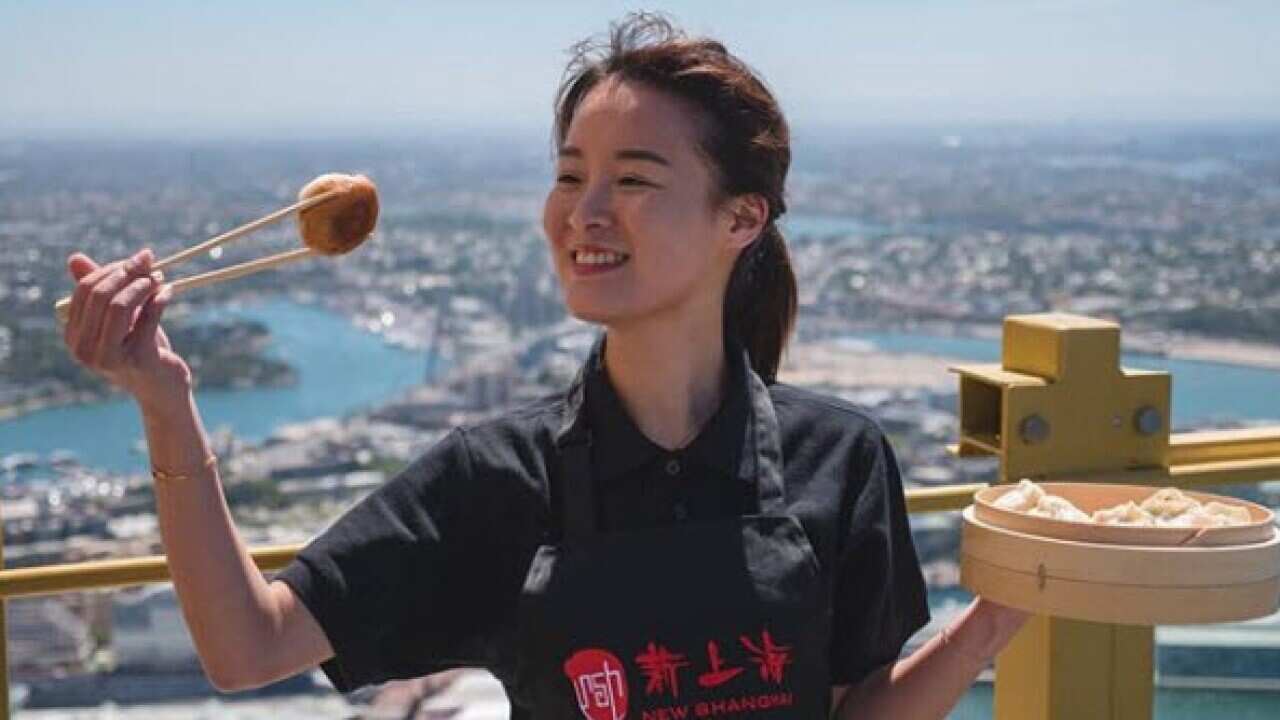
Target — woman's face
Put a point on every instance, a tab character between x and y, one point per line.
630	219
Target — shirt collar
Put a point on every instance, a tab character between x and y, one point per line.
594	413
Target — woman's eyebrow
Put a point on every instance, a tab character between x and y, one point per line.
646	155
571	151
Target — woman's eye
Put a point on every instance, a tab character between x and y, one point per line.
633	180
567	179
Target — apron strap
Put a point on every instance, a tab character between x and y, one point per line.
578	501
766	447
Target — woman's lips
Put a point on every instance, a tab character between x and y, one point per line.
588	261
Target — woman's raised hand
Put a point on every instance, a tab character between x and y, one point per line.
114	328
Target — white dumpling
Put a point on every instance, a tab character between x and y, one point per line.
1193	517
1230	514
1058	508
1167	503
1211	514
1127	514
1022	498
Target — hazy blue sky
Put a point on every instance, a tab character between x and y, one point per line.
234	67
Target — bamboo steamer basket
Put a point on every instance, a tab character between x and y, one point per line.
1117	574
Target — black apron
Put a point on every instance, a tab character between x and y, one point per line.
725	618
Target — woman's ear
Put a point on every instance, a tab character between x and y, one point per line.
747	215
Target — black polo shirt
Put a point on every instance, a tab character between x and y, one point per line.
424	574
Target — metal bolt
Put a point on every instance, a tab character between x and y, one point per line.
1147	420
1033	429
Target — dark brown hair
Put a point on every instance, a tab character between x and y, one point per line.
745	139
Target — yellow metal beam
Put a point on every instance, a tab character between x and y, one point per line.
1111	667
951	497
1208	446
53	579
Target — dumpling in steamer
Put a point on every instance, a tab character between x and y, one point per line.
1211	514
1168	503
1231	514
1126	514
1057	508
1022	498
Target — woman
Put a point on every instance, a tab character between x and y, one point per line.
676	532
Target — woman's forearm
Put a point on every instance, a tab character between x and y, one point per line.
927	684
224	597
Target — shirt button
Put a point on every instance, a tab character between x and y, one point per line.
673	467
681	512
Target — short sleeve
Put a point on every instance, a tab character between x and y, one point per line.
879	599
389	581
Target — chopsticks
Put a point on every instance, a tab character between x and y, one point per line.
62	309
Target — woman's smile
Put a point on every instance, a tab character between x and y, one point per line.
594	260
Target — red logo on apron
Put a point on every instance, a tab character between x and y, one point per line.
598	681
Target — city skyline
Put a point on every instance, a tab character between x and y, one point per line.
149	69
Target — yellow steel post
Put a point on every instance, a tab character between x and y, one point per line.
1059	404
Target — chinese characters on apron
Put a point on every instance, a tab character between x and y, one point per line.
727	618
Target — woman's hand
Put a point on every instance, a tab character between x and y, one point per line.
988	627
113	328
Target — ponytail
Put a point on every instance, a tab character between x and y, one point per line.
760	302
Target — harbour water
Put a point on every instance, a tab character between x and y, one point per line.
341	369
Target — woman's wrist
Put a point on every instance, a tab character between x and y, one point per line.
984	629
164	406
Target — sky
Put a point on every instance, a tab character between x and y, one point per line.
285	68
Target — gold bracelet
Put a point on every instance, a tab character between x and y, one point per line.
162	476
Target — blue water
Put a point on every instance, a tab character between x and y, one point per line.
343	369
340	369
1201	390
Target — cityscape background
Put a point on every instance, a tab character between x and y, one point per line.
954	163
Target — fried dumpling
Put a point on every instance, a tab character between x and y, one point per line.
1022	498
340	224
1127	514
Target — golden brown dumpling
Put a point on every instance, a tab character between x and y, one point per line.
338	225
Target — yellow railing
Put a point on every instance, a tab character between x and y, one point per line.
101	574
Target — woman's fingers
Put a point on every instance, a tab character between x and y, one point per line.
121	311
143	338
86	272
106	282
93	301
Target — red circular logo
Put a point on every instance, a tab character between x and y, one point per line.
600	684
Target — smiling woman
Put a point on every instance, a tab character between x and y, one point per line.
674	520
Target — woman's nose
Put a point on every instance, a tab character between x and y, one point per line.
592	208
